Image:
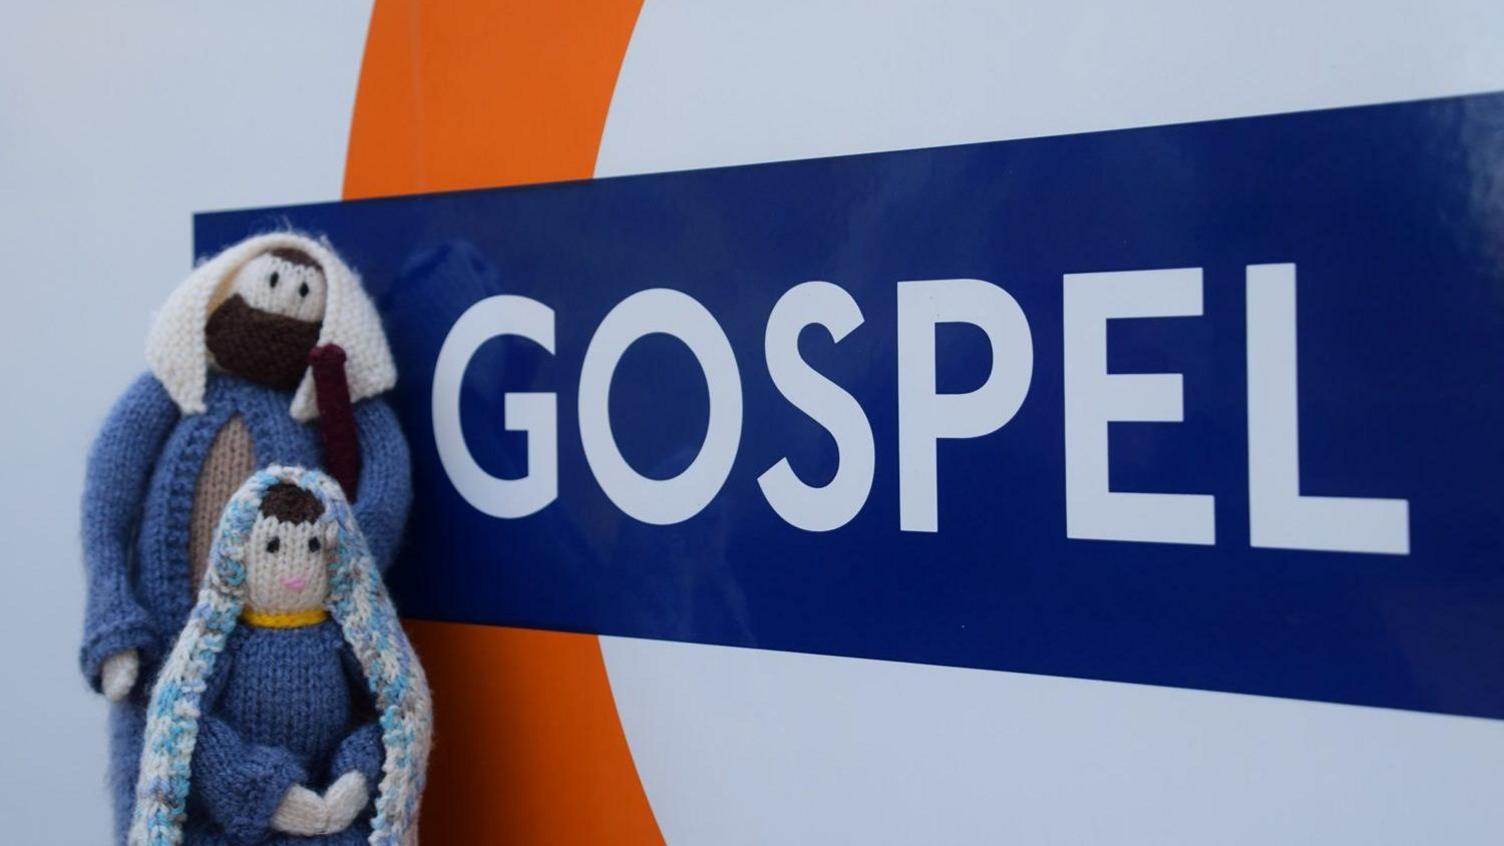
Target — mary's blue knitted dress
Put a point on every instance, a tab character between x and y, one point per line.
284	706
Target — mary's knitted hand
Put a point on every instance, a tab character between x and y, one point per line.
244	785
307	814
301	812
345	799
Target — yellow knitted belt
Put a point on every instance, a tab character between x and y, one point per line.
284	621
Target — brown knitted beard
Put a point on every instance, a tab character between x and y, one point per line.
266	348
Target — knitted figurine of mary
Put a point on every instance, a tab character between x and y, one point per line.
292	710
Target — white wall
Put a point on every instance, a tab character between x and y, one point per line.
749	746
117	121
721	83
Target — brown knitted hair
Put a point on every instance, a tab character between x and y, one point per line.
297	257
291	504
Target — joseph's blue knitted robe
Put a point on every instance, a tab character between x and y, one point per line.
138	501
282	707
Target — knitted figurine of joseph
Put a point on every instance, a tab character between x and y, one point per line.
229	390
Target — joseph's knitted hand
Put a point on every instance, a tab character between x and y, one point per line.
345	799
118	675
301	812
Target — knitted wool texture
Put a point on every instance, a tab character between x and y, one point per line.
231	460
341	443
283	281
270	317
179	356
359	605
143	470
142	481
138	500
286	577
277	712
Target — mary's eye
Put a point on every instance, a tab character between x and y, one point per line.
273	545
303	290
275	277
313	544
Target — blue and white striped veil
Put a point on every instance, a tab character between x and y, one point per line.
359	604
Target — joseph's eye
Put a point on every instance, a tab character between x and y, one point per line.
273	545
303	290
313	544
272	282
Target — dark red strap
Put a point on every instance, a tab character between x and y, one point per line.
336	416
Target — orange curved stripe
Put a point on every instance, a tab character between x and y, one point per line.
478	93
528	747
468	94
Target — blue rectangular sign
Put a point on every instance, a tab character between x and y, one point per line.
1312	508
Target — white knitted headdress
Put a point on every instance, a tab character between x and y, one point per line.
179	357
357	601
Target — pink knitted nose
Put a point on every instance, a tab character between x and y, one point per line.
295	583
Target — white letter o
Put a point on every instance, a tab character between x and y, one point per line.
661	501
